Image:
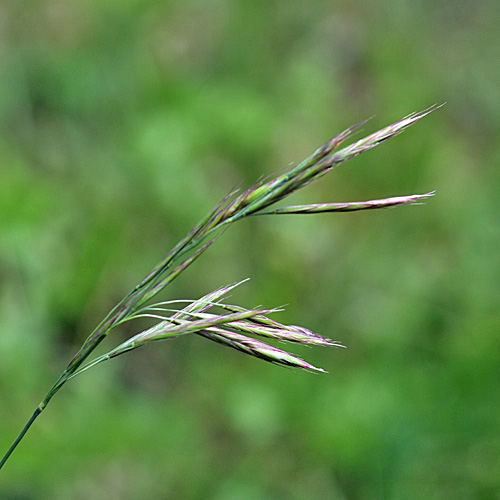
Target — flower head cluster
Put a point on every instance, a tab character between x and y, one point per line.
232	326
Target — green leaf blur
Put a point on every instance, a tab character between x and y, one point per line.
124	122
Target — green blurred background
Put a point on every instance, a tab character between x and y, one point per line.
123	122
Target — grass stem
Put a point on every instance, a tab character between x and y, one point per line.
21	435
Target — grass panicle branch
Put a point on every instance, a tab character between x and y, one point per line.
229	328
352	206
234	326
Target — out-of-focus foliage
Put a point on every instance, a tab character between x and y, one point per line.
123	122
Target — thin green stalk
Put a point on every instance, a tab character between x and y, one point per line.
21	435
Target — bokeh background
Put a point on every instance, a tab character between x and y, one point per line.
123	122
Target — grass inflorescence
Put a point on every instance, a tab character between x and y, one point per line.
210	316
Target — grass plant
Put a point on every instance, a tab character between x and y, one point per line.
210	316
